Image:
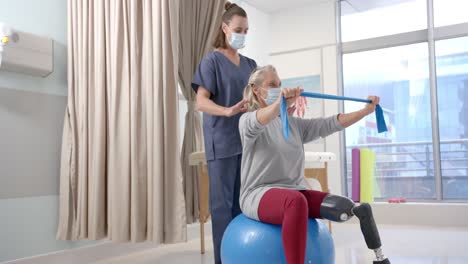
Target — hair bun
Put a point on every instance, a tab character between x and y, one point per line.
228	5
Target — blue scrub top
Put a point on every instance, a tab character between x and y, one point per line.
226	82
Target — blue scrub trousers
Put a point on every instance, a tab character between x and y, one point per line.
224	175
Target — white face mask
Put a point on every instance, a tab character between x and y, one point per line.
237	41
272	95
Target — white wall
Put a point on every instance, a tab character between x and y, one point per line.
298	42
258	37
29	160
304	43
303	27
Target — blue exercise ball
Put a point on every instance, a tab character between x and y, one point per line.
248	241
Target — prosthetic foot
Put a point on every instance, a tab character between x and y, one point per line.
340	209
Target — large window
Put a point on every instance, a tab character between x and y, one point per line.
452	87
400	77
424	155
368	19
450	12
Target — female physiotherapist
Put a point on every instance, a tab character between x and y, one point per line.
219	83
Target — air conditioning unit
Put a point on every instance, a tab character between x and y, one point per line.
25	53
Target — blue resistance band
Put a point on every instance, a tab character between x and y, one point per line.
381	126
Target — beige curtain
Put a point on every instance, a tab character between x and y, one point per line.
120	171
199	22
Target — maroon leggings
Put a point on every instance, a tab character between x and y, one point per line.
291	209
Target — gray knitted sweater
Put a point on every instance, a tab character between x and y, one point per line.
269	161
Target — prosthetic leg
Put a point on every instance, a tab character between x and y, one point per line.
340	209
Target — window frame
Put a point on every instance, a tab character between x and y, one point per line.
430	36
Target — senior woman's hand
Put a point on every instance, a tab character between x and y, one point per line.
370	107
291	95
351	118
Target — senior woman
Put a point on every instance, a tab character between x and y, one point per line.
273	188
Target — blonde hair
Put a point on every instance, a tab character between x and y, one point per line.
256	80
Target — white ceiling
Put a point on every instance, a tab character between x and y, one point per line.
348	6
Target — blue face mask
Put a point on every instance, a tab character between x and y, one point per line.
237	41
273	95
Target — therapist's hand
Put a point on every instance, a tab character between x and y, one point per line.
240	107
